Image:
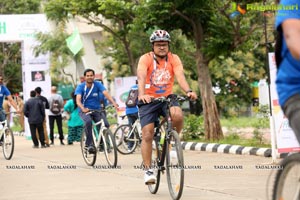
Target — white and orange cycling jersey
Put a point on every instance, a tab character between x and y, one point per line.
160	75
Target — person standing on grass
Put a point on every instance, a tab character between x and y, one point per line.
4	92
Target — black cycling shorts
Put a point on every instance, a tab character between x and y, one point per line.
149	113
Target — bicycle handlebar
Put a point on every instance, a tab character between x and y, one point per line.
99	111
170	98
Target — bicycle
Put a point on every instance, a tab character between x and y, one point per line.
8	142
128	136
103	140
287	180
167	148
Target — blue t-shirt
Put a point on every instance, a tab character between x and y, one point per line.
103	99
288	75
3	92
90	99
132	110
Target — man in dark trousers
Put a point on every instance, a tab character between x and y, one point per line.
35	112
38	91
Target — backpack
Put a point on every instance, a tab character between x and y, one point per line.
132	98
55	106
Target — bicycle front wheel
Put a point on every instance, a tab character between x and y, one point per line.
110	148
126	139
175	165
89	158
8	144
287	181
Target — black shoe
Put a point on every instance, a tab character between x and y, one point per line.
35	146
44	146
52	143
91	149
62	142
47	145
70	143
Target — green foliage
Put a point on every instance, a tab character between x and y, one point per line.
216	50
10	54
233	75
263	116
193	127
194	131
60	55
20	7
11	65
243	122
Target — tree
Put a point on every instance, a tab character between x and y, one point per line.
115	17
209	26
10	52
205	27
60	57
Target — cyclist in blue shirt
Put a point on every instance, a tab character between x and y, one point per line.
4	92
87	97
288	74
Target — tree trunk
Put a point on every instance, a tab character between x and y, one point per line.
130	58
212	125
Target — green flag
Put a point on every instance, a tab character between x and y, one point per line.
74	42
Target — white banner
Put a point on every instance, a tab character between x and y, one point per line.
285	137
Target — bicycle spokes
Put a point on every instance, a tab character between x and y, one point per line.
175	167
8	144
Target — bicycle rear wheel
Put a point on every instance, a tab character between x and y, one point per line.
287	181
89	158
126	139
110	148
153	188
8	144
175	165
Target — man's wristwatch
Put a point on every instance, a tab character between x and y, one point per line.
189	91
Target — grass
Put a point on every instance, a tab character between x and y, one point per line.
243	122
233	138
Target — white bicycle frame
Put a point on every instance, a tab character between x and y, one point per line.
100	133
135	127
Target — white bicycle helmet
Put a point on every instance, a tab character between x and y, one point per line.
160	35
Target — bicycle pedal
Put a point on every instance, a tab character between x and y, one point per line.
162	168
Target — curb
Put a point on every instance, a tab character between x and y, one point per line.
215	147
227	148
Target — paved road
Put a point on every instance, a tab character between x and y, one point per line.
35	174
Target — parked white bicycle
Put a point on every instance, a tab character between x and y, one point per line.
128	137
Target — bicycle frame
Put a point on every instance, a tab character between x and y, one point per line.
168	131
135	128
162	159
103	136
96	136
